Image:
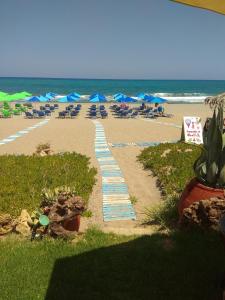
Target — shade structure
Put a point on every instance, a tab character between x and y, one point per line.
68	98
26	94
75	95
97	98
141	96
118	96
49	96
34	99
19	95
148	98
214	5
3	93
43	99
127	100
158	100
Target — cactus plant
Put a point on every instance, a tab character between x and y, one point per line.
210	166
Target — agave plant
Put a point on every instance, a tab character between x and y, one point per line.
210	166
50	196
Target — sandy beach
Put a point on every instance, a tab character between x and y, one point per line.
79	134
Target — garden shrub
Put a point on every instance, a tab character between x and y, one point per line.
173	166
23	178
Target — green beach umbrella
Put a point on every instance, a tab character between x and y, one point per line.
3	93
26	94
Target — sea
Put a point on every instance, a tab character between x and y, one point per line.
175	91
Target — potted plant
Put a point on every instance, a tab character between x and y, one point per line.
209	168
63	207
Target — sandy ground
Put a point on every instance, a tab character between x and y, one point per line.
78	135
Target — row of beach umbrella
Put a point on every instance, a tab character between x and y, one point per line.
97	98
74	97
144	97
43	98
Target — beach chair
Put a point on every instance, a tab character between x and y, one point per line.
47	112
73	114
61	115
28	115
151	115
77	108
93	114
134	114
104	114
41	114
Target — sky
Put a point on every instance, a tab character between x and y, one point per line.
118	39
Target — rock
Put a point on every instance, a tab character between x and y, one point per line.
7	224
205	213
23	223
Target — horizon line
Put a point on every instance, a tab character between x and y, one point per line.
83	78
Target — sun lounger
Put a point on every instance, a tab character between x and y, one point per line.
61	115
29	115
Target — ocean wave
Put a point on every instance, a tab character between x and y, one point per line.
180	94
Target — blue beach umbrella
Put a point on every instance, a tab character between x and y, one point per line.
43	98
67	98
34	99
127	100
149	98
63	100
141	96
75	95
158	100
97	98
49	97
119	96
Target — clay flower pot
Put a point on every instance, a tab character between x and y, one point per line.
72	224
196	191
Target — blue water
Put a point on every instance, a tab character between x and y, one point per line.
174	90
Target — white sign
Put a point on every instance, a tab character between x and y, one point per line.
192	130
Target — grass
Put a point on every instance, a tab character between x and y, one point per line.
186	265
133	200
107	266
23	178
87	213
173	166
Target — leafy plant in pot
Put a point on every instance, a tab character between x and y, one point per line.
209	168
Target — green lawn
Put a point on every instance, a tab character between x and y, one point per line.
185	266
23	178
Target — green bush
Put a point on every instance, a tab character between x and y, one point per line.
173	166
23	178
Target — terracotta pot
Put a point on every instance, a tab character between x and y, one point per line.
194	192
72	224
